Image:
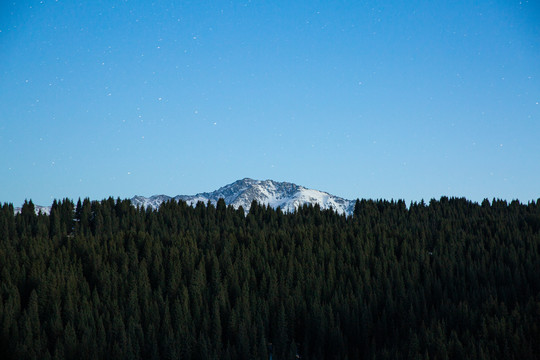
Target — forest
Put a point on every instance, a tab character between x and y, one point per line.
448	279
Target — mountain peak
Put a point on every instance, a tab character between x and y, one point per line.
285	195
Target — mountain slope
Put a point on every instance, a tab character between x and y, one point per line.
37	208
287	196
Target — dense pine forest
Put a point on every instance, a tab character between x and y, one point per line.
451	279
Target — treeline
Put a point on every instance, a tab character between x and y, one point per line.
451	279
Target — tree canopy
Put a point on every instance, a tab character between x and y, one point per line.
104	279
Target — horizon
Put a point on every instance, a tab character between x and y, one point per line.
411	101
173	197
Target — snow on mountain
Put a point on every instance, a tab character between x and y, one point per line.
153	201
285	195
37	208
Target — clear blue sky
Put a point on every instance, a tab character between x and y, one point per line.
377	99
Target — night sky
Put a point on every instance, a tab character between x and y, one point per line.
398	99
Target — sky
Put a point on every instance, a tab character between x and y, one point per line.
363	99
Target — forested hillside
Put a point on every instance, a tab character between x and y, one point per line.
451	279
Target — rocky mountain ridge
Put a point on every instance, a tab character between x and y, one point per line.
285	195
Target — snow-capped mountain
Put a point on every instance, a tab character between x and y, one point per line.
285	195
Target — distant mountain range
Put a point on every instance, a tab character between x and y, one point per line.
287	196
